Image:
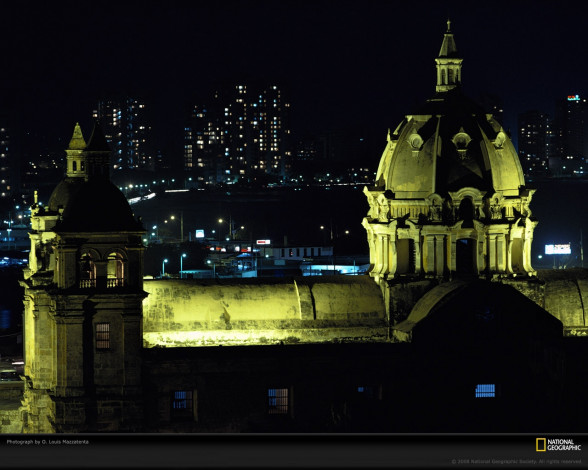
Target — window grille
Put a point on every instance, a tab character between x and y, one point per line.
277	401
485	391
182	404
102	335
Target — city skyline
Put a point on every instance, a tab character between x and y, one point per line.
343	65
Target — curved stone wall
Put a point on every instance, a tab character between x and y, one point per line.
185	313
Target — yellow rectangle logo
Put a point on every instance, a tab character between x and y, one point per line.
541	444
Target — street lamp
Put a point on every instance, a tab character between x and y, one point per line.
163	267
324	231
213	267
182	264
220	221
173	217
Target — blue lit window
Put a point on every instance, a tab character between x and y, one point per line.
182	405
366	391
277	400
182	400
485	391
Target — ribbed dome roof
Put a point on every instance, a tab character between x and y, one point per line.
97	206
449	144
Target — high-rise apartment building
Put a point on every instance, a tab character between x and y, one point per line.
204	139
242	134
123	122
534	132
7	170
571	120
570	136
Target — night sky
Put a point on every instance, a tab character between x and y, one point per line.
344	65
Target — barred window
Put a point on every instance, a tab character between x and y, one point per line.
102	335
182	404
277	401
366	391
485	391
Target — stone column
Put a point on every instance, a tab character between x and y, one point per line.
480	254
418	260
372	246
492	265
101	273
392	253
439	254
501	253
429	254
452	252
509	256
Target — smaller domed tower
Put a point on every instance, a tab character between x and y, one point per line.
83	302
450	197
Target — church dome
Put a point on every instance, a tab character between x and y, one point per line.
449	197
63	193
98	206
87	199
449	143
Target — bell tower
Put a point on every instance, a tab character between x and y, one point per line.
83	302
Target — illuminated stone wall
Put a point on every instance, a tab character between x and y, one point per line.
564	294
186	313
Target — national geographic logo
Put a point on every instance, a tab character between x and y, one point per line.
543	445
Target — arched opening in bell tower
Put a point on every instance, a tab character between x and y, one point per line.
87	271
115	270
405	256
465	257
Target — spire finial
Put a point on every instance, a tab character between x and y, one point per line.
77	141
448	25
